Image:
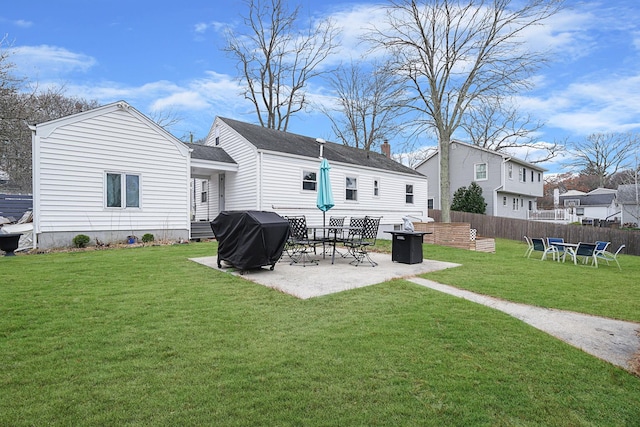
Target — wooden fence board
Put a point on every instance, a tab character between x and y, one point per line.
516	229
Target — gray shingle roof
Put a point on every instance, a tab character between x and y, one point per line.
205	152
592	199
290	143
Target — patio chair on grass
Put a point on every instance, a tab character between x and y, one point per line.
587	251
559	250
527	253
608	256
539	245
359	241
299	242
601	246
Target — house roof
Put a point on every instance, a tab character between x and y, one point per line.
205	152
486	150
597	199
628	194
290	143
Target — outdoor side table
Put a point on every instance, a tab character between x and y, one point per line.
406	246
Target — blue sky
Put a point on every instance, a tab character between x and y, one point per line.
166	56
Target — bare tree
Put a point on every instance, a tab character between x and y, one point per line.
498	125
603	154
459	53
15	150
368	105
277	57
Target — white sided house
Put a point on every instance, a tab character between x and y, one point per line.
111	173
510	186
108	173
279	171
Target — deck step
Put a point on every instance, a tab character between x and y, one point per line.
201	230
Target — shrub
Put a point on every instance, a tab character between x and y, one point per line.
148	237
81	240
469	200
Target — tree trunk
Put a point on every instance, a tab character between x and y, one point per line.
445	184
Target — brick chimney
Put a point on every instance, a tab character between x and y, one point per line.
385	148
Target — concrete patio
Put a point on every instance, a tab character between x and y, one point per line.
325	278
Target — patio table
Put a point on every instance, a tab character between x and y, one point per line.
568	247
331	229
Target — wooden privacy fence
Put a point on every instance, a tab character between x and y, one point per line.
516	229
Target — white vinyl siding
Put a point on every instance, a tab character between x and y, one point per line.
72	161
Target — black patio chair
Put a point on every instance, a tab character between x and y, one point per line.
587	251
299	244
359	240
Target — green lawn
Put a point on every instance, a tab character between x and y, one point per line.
142	336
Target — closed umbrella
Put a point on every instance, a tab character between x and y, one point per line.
325	195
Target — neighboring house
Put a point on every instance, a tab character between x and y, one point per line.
108	173
629	203
111	173
278	171
599	204
510	186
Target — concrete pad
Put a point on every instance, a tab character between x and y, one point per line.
325	278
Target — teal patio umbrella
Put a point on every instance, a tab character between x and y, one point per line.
325	195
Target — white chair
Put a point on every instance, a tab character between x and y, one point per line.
608	256
527	253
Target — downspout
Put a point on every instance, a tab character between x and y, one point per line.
259	183
35	183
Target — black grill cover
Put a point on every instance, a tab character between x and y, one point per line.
250	239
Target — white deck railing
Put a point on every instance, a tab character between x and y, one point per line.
549	215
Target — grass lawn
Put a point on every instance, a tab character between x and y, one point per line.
142	336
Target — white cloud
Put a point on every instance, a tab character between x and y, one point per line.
50	60
23	23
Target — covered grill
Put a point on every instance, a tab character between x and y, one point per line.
250	239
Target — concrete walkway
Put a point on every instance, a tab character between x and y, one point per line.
615	341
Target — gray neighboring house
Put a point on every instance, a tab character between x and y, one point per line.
629	203
510	186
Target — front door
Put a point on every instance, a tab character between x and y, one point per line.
221	192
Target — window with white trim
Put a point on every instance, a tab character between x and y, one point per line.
376	187
351	184
480	171
203	192
309	180
122	190
510	170
504	201
429	203
516	205
409	193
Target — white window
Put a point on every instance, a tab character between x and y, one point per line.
521	174
122	190
352	188
309	181
429	203
504	201
480	171
510	171
376	187
516	205
539	177
571	202
409	193
203	192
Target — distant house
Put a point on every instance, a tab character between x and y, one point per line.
278	171
111	173
629	203
600	203
510	186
